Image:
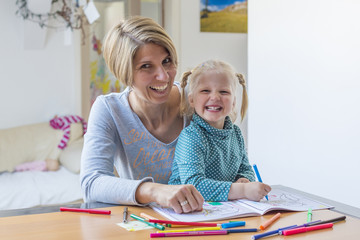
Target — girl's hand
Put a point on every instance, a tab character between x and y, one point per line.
181	198
254	191
242	180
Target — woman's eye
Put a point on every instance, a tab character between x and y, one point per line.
145	66
167	60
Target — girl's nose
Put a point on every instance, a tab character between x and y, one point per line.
214	96
162	74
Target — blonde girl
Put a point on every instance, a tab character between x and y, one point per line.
210	153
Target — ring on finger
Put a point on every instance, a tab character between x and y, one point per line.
184	203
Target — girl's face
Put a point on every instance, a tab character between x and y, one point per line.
213	98
154	73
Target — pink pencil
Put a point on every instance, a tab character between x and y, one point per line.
95	211
182	234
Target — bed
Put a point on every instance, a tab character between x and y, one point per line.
38	188
39	143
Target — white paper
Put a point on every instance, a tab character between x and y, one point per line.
91	12
278	200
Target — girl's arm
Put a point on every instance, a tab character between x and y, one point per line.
190	157
245	169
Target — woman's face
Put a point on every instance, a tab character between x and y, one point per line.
154	73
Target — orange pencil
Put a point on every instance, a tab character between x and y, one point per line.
178	226
146	216
270	221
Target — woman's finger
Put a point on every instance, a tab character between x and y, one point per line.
199	199
175	204
192	204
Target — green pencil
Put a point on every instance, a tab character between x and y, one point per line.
309	215
146	222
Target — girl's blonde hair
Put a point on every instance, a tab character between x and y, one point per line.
123	41
218	67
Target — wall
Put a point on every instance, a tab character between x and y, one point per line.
304	89
195	47
35	84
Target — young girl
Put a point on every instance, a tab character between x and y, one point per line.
210	153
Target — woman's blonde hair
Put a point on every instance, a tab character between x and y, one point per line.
123	41
218	67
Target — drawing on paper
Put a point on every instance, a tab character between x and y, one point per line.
278	200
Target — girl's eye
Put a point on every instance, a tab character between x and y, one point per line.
204	91
224	92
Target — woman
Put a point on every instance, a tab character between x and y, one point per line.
136	130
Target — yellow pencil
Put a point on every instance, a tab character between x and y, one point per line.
192	229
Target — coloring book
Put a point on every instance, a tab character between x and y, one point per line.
278	200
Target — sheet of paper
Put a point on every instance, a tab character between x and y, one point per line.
134	226
91	12
278	200
210	212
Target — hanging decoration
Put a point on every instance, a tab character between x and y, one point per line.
63	14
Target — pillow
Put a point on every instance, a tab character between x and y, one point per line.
35	142
76	132
70	157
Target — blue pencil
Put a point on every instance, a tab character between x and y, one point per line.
266	234
258	177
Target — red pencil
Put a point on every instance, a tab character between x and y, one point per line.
306	229
184	223
95	211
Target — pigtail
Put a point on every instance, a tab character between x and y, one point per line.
244	104
184	104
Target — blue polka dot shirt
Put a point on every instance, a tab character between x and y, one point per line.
211	159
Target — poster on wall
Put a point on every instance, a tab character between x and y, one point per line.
223	16
102	81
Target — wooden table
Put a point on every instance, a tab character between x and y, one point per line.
72	226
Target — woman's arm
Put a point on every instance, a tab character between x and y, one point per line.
97	162
170	196
99	183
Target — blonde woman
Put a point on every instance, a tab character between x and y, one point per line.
136	131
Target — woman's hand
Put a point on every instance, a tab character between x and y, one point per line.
181	198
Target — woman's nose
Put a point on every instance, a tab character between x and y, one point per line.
162	74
